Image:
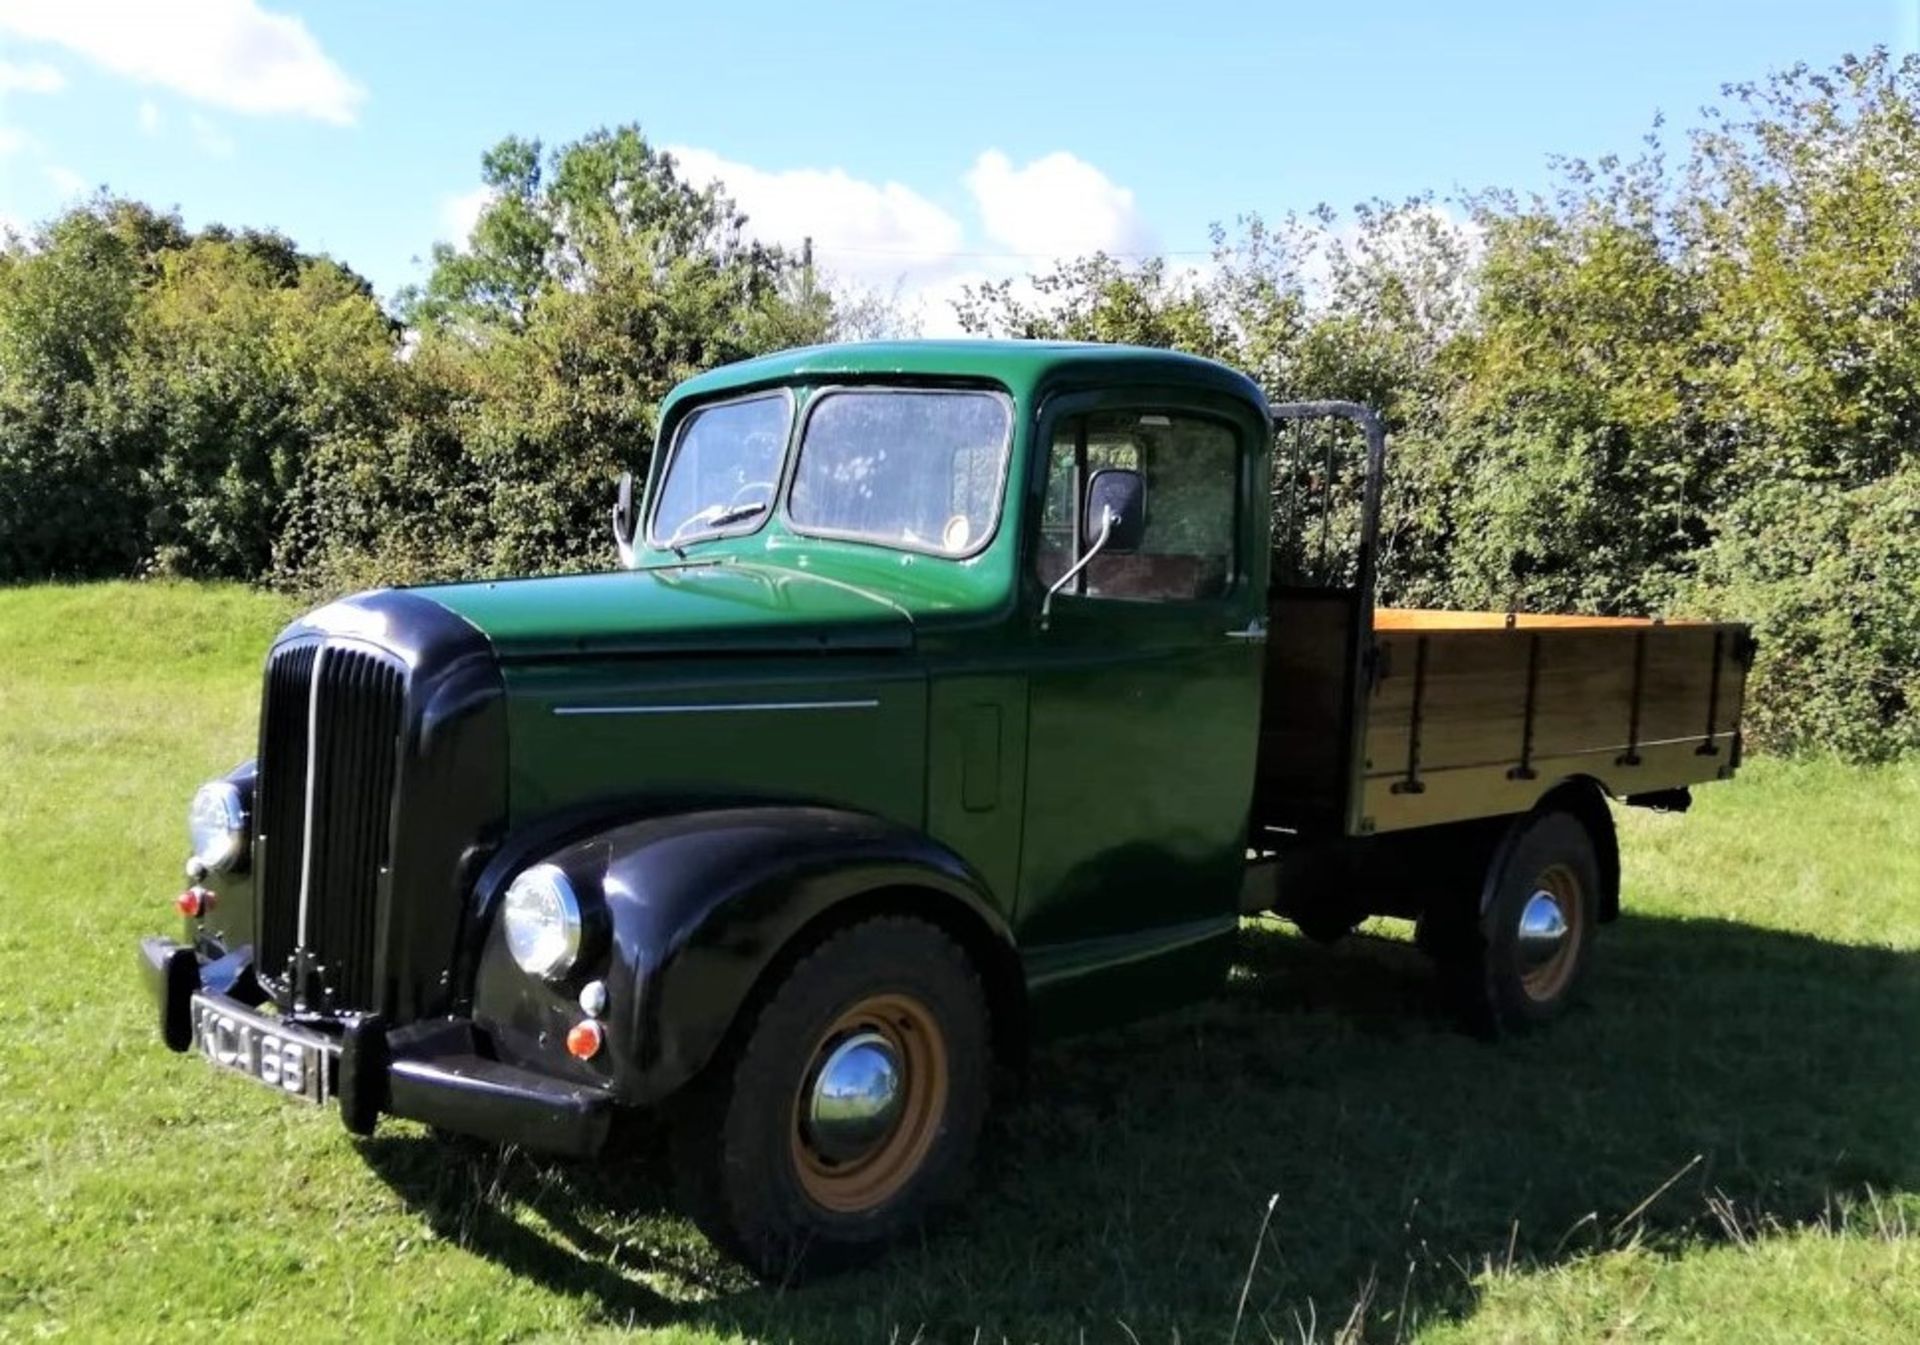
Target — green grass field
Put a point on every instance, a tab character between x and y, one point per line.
1721	1144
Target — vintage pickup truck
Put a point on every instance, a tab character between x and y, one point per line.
948	694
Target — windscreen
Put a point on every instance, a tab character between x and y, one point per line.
917	469
723	470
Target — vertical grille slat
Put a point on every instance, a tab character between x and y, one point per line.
330	837
355	737
389	690
281	808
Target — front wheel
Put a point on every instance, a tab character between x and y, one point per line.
1518	959
850	1108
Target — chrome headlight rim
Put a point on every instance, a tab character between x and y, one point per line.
543	922
217	826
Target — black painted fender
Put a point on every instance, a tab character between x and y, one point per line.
696	907
1586	799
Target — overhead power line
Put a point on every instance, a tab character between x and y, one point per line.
1003	256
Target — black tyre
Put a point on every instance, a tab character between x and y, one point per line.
847	1110
1517	961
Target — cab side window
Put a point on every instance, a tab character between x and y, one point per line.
1191	468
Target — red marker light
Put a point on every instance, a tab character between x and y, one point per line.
585	1039
194	902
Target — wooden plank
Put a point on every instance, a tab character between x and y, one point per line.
1488	791
1389	707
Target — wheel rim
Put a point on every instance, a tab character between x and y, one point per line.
869	1104
1549	932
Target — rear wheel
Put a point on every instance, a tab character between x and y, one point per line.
850	1108
1519	960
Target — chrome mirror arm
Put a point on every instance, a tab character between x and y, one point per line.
622	541
1100	542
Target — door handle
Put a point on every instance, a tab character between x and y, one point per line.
1255	631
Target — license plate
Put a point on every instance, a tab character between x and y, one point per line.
286	1059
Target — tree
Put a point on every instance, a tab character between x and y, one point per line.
161	391
1099	298
245	357
69	505
595	280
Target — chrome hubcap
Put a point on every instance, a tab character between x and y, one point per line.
1543	929
855	1098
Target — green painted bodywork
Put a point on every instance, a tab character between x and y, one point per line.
1094	774
711	605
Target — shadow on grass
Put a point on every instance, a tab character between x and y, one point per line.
1710	1059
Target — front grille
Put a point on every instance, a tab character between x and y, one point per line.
341	706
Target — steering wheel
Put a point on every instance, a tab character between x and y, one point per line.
766	486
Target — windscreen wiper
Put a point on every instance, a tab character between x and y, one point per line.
713	518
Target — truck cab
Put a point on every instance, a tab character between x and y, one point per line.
938	702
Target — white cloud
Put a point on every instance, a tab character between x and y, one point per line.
65	181
459	213
149	116
228	53
880	238
36	77
873	232
887	238
13	140
1056	207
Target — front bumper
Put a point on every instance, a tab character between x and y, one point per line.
440	1072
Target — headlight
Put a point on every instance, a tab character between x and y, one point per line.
541	916
217	825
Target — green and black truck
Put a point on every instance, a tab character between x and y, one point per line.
946	696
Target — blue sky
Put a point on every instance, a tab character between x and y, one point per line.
921	146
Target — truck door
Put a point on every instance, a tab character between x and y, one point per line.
1145	686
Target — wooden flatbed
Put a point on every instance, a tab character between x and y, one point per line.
1465	715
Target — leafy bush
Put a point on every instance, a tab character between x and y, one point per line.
1830	579
160	392
1687	381
594	281
71	504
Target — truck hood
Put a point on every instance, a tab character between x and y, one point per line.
725	606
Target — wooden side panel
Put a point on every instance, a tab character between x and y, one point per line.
1480	719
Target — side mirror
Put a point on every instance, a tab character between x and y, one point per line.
1115	521
1122	494
623	520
